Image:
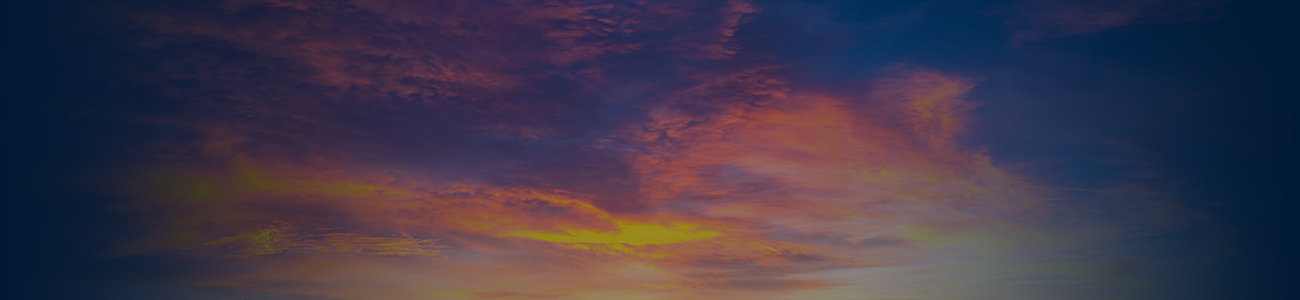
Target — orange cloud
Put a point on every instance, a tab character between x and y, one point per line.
749	189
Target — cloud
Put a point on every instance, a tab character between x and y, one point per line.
745	183
562	150
1050	19
298	66
282	238
748	188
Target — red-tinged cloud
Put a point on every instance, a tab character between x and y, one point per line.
1037	20
573	150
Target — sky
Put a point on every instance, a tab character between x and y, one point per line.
573	149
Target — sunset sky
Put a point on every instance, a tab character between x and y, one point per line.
573	149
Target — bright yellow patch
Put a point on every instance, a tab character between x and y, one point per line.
629	233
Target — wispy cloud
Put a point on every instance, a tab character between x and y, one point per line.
1037	20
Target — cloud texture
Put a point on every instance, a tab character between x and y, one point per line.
588	150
